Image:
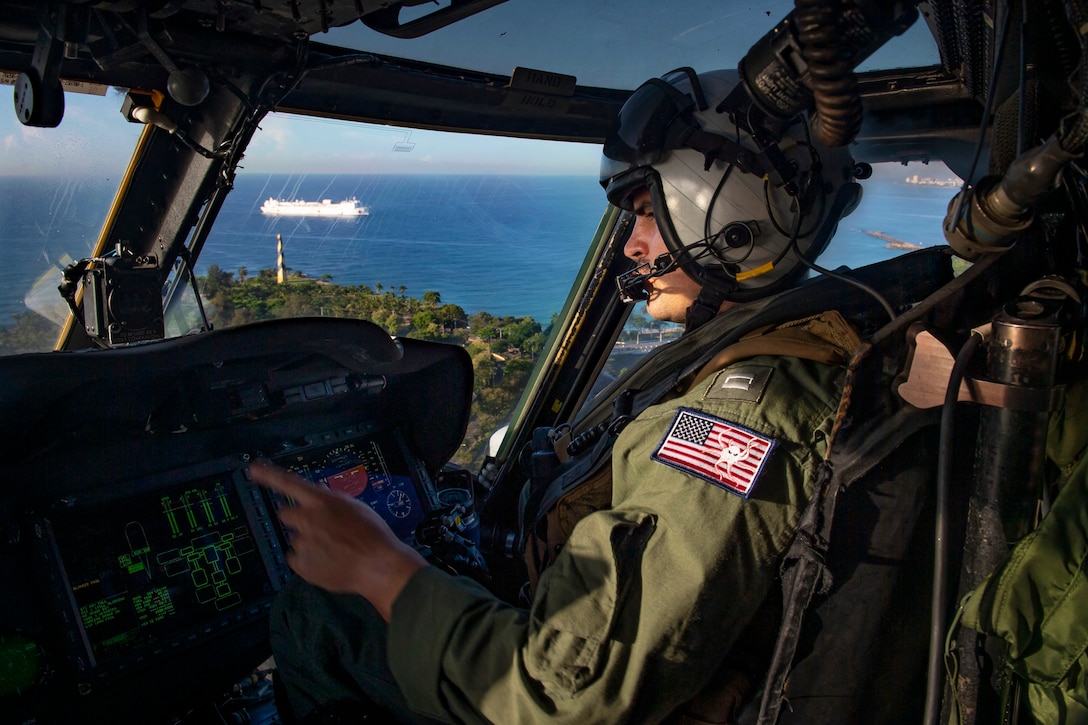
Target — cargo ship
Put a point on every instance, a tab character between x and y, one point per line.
325	207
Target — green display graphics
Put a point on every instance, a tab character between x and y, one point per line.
161	570
21	664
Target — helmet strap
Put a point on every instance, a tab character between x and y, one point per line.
701	310
715	290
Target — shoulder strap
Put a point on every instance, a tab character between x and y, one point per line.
804	571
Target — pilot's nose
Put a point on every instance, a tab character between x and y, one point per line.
638	244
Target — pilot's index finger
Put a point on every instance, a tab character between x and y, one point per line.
281	480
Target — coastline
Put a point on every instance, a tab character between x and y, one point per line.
892	242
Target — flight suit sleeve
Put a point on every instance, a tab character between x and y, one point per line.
647	597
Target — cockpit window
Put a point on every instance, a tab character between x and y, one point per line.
56	186
473	240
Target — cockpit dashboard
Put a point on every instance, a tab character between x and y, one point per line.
133	545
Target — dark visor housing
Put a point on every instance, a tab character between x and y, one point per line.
656	118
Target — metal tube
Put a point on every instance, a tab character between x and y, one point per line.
1009	465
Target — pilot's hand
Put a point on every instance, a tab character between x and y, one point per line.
338	543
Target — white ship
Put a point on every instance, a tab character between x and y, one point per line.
325	207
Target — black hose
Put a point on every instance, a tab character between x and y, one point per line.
1073	132
955	214
939	601
1061	35
834	86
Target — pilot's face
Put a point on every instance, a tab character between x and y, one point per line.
670	294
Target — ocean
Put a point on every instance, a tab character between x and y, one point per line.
505	244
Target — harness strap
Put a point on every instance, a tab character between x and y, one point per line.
804	569
825	338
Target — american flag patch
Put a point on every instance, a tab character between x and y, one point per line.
715	450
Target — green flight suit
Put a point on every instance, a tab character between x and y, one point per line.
644	602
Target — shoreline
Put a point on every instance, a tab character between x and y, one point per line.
893	243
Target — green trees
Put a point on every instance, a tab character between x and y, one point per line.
501	348
498	346
28	333
450	317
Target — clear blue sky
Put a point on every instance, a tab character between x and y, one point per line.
289	143
93	137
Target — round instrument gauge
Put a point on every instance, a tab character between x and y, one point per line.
399	503
345	470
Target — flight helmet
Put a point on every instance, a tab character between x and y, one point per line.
738	203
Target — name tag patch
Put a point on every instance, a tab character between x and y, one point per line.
715	450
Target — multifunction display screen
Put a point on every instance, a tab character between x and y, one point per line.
162	565
375	473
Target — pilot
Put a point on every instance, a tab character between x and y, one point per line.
662	603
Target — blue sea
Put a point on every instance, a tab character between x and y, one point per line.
505	244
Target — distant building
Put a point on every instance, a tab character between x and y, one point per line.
930	181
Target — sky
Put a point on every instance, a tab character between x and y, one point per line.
93	141
287	143
93	137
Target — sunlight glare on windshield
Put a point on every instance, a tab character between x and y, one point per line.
56	186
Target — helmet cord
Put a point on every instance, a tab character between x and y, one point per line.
871	291
799	198
851	281
713	200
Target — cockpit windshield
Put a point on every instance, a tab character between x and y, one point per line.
470	239
56	187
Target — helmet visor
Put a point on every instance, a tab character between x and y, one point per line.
639	133
646	127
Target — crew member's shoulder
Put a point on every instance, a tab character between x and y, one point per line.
762	419
793	370
826	337
777	390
